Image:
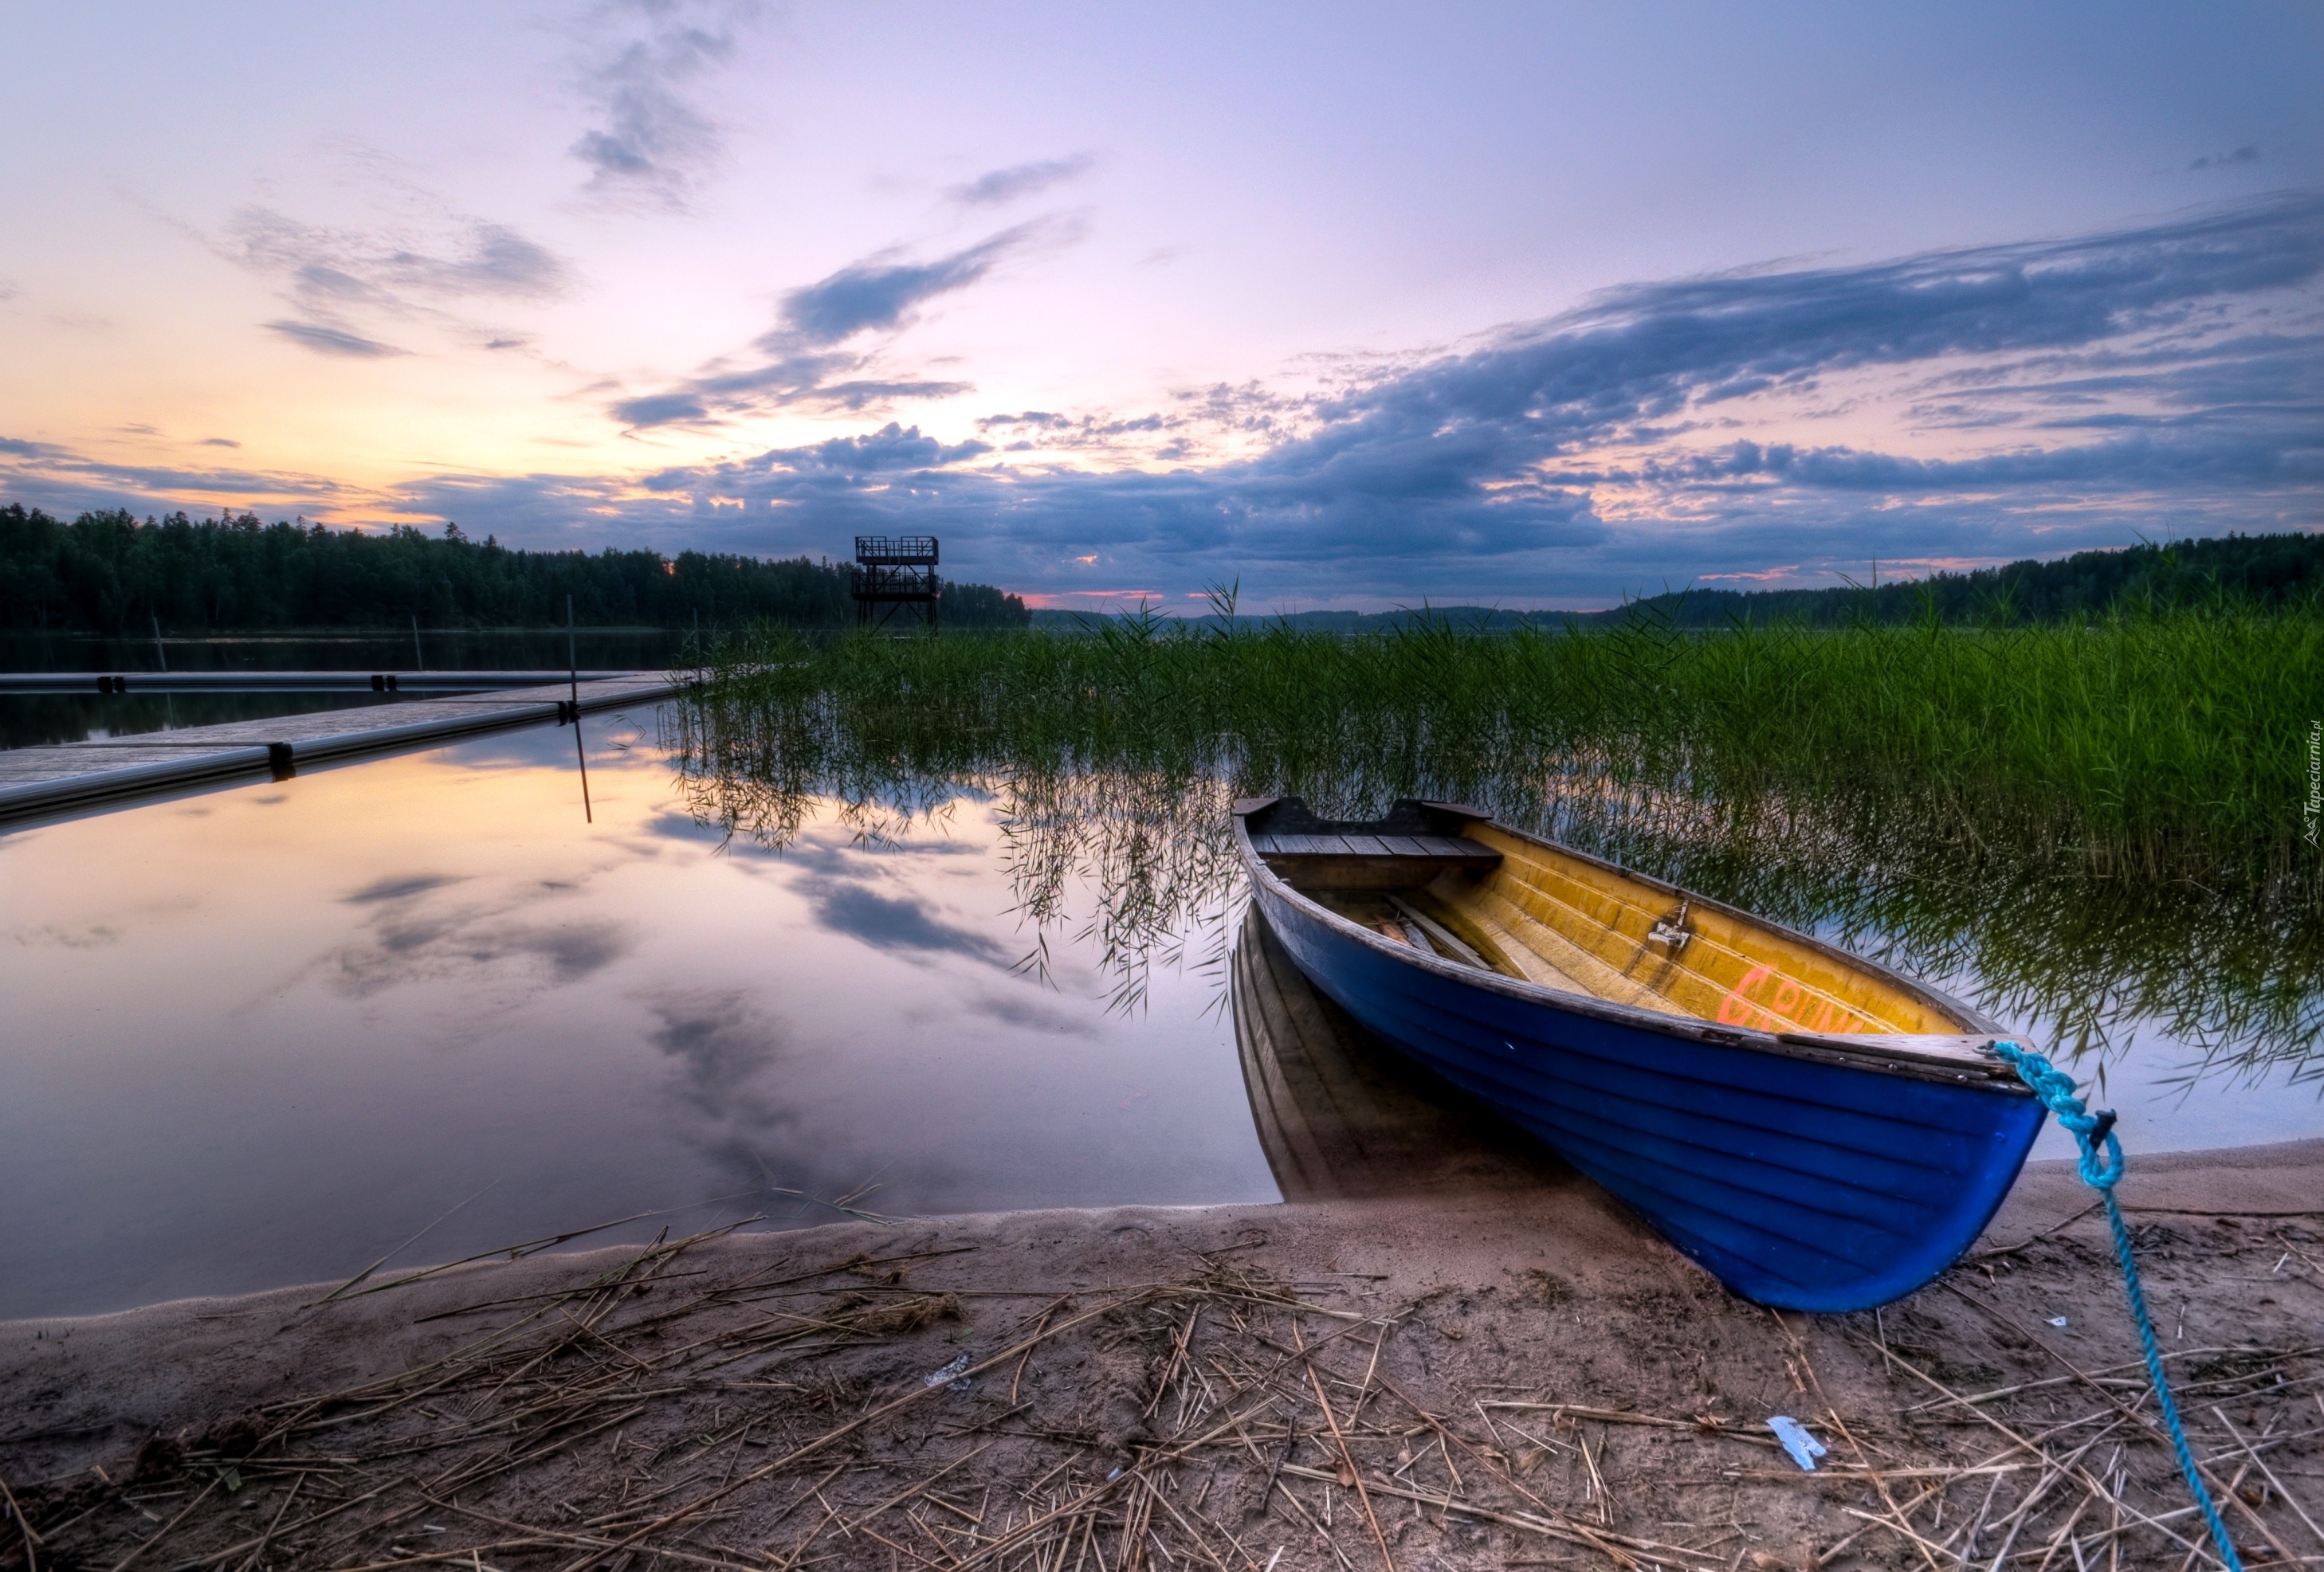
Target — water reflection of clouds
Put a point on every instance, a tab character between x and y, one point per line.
48	935
721	1045
725	1053
393	889
1023	1009
411	937
840	876
896	922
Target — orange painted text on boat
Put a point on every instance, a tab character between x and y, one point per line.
1767	1001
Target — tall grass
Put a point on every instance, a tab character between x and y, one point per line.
2088	828
2152	747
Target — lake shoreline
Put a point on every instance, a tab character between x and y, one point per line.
1556	1299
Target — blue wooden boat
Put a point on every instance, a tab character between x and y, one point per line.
1820	1132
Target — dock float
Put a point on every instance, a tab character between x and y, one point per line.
67	778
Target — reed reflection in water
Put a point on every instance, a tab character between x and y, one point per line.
2197	1009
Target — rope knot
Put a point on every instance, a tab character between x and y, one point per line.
2101	1163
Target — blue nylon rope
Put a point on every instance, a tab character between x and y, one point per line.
2101	1169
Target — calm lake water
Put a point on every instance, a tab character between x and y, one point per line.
267	1034
264	1036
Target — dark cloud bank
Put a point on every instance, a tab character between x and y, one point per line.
2164	379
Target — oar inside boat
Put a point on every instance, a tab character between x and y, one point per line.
1821	1132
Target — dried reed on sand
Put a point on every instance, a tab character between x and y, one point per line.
748	1403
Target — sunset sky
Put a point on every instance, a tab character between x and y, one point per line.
1527	305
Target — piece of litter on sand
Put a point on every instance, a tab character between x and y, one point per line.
2057	1320
950	1376
1804	1447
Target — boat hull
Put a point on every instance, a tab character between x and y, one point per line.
1800	1183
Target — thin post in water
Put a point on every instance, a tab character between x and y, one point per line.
417	662
158	652
573	674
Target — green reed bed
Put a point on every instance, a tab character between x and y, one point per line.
2171	746
2101	826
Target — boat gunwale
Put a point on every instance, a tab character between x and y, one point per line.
1822	1050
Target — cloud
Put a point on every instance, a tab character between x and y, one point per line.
660	410
878	292
324	339
891	447
1000	186
650	145
220	442
802	361
340	281
396	269
66	482
2247	155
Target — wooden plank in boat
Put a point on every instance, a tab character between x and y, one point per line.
1455	846
1307	846
1430	848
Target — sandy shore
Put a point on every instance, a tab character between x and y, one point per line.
1506	1376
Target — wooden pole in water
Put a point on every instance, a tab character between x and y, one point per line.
588	815
158	653
572	675
419	662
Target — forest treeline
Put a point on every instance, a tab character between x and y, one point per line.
2273	571
107	572
2262	572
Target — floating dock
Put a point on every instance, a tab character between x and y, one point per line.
66	777
273	682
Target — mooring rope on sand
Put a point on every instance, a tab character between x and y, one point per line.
2101	1169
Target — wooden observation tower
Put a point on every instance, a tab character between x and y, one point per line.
896	574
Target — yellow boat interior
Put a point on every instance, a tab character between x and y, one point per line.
1472	893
